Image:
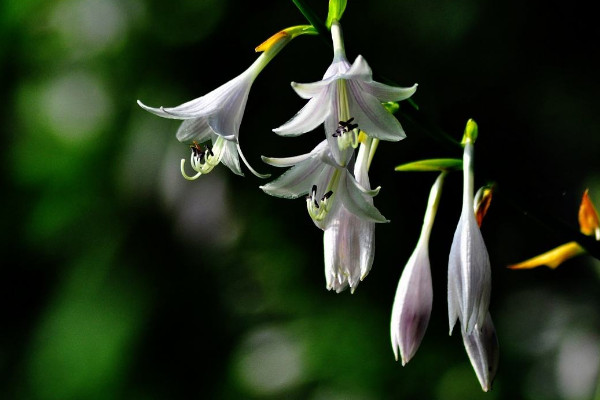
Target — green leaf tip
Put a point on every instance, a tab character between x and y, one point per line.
336	10
471	132
433	164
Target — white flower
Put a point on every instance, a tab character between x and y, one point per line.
482	347
469	273
216	116
346	92
349	240
328	186
414	296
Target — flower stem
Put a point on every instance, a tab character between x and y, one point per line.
311	17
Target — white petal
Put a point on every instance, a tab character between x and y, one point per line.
385	92
356	201
194	129
212	101
308	118
297	181
469	274
454	284
226	121
482	348
230	157
359	70
158	111
371	116
285	161
310	90
412	304
349	248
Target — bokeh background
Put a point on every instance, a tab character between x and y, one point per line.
121	280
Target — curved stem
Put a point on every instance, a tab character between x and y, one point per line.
311	17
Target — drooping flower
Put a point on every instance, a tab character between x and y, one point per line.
216	116
327	185
414	295
346	93
483	351
340	204
469	272
349	239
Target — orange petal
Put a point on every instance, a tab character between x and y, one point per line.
483	199
589	223
552	258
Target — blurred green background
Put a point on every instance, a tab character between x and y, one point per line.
121	280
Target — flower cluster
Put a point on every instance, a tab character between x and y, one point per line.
356	113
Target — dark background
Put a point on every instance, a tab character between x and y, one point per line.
121	280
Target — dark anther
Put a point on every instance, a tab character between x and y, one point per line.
209	151
344	127
327	195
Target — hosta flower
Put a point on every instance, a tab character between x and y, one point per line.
469	273
414	296
482	348
327	186
347	92
216	116
339	204
349	240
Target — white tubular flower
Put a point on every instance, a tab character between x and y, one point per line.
414	296
482	348
327	185
217	115
469	273
349	240
347	99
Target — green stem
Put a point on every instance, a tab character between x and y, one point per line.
311	17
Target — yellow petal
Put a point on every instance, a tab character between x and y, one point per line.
589	223
552	258
286	34
271	41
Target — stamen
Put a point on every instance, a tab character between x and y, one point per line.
317	209
345	141
203	161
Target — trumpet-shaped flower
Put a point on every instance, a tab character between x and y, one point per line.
414	296
217	115
327	186
483	351
339	204
347	92
349	240
469	273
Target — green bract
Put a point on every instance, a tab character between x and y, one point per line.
471	132
434	164
336	10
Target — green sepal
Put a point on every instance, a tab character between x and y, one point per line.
336	10
433	164
471	132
